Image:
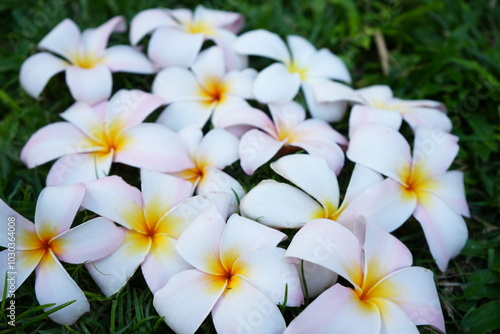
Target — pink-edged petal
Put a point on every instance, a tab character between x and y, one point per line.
89	85
394	319
325	64
385	203
209	67
330	245
257	148
363	114
25	237
179	115
228	20
427	117
312	175
279	205
124	58
327	111
444	229
199	243
375	95
381	148
172	47
331	91
56	208
315	129
112	272
269	271
19	269
240	83
224	40
52	141
87	119
53	285
246	309
95	39
337	310
63	39
148	20
243	236
287	116
406	105
316	278
228	105
162	262
262	43
247	116
218	149
154	147
275	84
89	241
113	198
434	150
181	15
187	299
450	188
215	180
176	84
301	49
76	168
37	70
413	290
361	179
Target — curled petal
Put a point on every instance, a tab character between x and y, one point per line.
363	114
95	39
123	58
432	118
326	111
262	43
147	21
63	39
327	65
228	20
37	70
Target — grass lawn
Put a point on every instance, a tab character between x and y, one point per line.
445	50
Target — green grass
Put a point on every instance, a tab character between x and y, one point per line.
443	50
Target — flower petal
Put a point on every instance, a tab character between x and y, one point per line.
172	47
187	299
301	49
56	208
394	319
361	179
275	84
326	111
316	278
331	91
37	70
342	305
381	148
123	58
88	120
112	272
24	264
243	308
54	285
89	85
176	84
26	237
325	64
427	117
363	114
375	95
95	40
287	116
147	21
257	148
154	147
228	20
179	115
240	83
330	245
215	180
218	148
229	105
450	188
279	205
63	39
90	241
209	67
262	43
248	116
444	229
225	39
76	168
312	175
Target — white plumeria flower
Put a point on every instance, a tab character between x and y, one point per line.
288	129
87	62
302	66
377	104
152	222
178	34
39	247
209	89
388	295
418	185
239	275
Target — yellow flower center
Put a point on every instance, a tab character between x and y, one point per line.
214	91
85	61
293	67
198	28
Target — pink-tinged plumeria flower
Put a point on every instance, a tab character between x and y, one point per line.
418	185
110	131
378	105
152	222
178	34
87	62
39	247
239	275
289	128
282	205
209	89
302	66
388	295
210	154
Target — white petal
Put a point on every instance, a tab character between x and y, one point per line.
432	118
275	84
450	188
89	85
176	84
240	83
327	111
147	21
301	49
215	180
209	66
325	64
37	70
262	43
257	148
123	58
179	115
362	114
95	40
218	148
63	39
76	168
173	47
331	91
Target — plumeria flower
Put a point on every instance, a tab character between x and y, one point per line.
378	105
210	154
40	247
418	185
302	66
388	295
178	34
281	205
239	275
209	89
289	129
111	131
152	221
87	62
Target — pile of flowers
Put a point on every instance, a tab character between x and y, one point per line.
207	242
